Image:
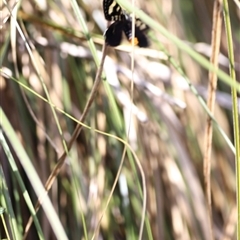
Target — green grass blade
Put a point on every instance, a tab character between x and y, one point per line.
235	111
33	178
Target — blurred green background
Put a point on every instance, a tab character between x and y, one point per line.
45	52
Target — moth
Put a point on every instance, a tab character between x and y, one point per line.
122	22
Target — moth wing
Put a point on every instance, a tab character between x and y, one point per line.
113	35
112	10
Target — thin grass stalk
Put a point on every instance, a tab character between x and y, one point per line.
115	183
133	166
202	61
78	128
85	126
46	92
216	37
61	110
33	178
235	108
34	62
13	44
85	31
144	196
7	204
23	190
77	131
142	192
4	226
180	44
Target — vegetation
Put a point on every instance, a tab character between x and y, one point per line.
130	143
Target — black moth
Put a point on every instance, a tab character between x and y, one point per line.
122	23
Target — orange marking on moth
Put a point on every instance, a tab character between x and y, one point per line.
134	41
